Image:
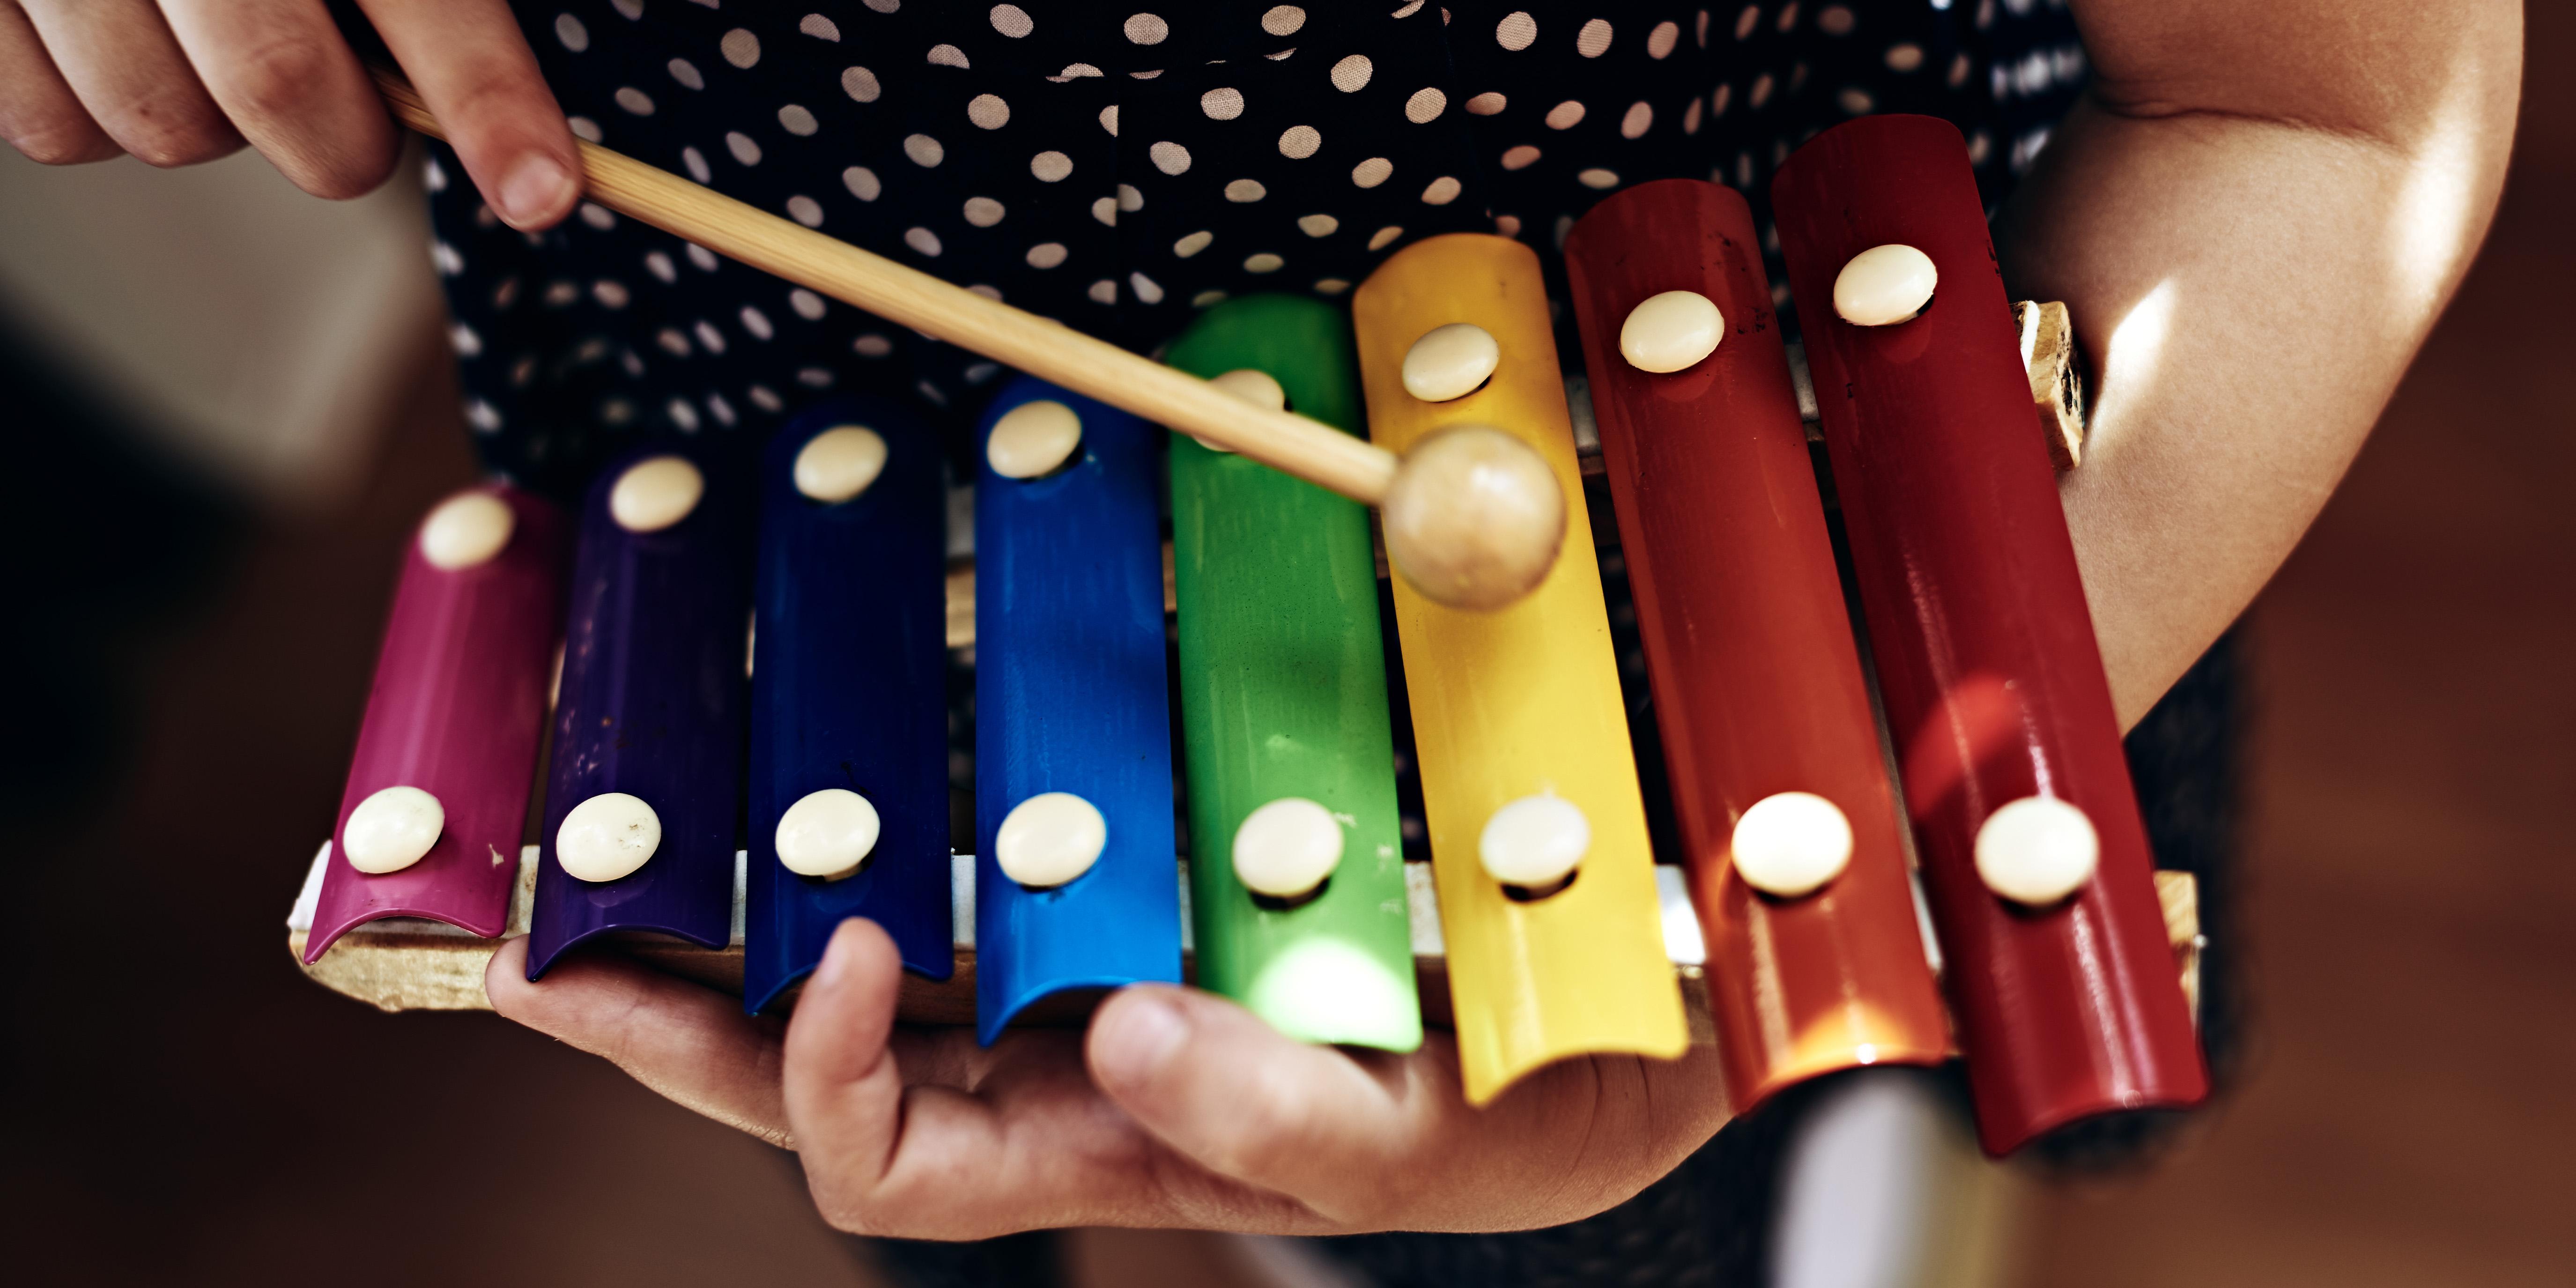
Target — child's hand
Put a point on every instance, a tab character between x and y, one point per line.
192	80
1177	1108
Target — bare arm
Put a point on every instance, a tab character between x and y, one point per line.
2255	214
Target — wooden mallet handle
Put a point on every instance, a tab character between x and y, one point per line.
1013	337
1473	544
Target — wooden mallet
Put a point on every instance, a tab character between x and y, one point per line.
1473	517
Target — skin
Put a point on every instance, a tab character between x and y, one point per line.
2255	215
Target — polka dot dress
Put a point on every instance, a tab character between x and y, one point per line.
1116	168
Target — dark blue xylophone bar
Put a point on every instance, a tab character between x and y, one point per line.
849	691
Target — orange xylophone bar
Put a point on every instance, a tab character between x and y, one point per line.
1757	683
1986	659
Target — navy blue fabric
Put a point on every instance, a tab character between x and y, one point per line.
1115	169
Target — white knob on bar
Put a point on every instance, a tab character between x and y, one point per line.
839	463
655	493
1671	331
1034	439
2037	850
1791	843
607	837
1287	847
1885	285
466	530
827	834
392	830
1050	839
1535	841
1451	361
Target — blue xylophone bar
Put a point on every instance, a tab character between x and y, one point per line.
1070	703
849	694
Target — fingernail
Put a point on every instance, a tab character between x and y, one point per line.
535	187
1149	1032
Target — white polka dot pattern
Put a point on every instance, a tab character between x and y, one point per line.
1594	40
1559	107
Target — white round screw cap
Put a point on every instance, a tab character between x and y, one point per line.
1254	386
466	530
1791	843
2037	850
1450	361
1050	839
839	463
392	829
1671	331
655	493
1885	285
1034	439
827	833
607	837
1287	847
1534	841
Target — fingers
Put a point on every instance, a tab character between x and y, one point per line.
468	60
119	58
39	114
291	85
941	1139
1374	1141
1220	1086
842	1083
691	1044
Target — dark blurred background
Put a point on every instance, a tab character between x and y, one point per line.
199	555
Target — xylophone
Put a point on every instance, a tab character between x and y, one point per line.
800	596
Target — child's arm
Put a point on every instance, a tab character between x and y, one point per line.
2255	213
191	80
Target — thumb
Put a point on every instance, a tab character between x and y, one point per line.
1212	1081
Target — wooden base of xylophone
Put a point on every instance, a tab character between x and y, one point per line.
407	964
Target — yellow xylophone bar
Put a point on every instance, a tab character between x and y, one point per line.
1519	703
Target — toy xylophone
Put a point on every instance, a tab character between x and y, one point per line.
799	595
